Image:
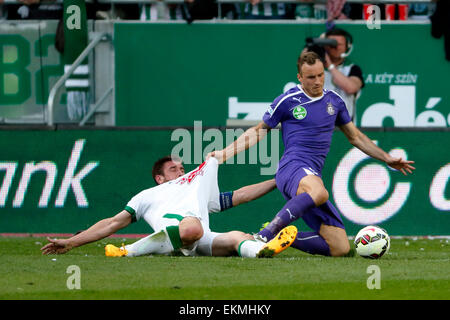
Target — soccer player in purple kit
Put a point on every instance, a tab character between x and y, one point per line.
308	115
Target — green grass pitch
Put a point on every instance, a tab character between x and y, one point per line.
413	269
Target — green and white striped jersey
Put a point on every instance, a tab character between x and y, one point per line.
162	11
266	10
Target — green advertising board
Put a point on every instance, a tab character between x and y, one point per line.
64	181
227	71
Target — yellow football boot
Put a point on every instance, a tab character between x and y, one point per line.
279	243
113	251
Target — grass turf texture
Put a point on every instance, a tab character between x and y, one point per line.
414	269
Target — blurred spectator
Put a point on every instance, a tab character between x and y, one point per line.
440	24
334	10
230	11
190	10
33	9
162	11
257	9
123	11
419	11
304	10
202	9
2	15
353	11
46	9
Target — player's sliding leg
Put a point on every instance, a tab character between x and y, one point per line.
292	210
314	243
227	244
337	240
310	194
156	243
162	242
328	238
260	249
311	242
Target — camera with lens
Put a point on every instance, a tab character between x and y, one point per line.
317	45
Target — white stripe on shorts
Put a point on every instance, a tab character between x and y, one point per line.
307	238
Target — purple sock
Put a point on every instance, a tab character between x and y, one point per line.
292	210
311	242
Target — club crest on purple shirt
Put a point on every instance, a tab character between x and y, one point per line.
330	109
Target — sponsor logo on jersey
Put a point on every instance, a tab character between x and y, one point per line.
191	176
299	113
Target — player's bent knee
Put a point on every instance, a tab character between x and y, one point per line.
336	239
324	196
191	230
320	196
190	234
313	185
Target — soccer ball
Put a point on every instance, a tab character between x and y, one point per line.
372	242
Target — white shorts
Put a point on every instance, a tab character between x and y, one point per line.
202	247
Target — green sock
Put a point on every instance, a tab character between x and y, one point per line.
174	236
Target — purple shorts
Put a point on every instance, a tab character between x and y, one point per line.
288	177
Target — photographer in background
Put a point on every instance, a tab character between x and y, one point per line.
343	78
346	79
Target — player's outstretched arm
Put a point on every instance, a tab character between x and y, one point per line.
253	192
248	139
363	143
100	230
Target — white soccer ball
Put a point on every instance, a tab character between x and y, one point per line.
372	242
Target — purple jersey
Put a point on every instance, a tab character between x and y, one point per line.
307	124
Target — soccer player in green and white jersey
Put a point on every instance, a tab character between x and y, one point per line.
178	210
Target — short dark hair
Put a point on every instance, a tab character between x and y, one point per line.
309	58
340	32
159	164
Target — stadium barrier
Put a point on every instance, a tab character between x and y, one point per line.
65	180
